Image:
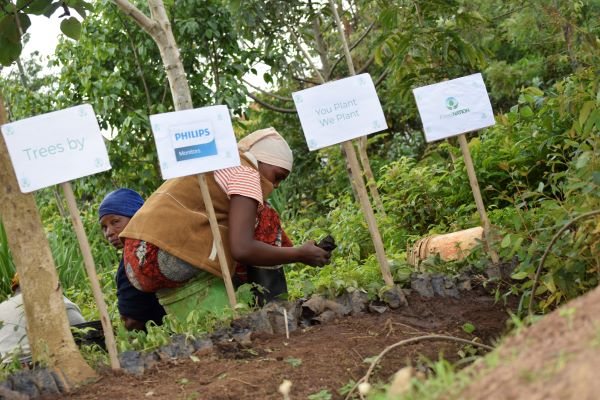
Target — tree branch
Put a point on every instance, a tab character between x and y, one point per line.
352	47
271	106
306	55
304	80
383	75
138	64
142	20
275	96
367	65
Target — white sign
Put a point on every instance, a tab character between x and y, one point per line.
56	147
453	107
194	141
339	111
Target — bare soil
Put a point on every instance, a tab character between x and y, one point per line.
322	357
556	358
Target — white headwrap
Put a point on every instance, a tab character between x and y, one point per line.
268	146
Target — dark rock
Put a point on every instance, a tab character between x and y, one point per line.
421	283
242	336
275	313
132	362
259	322
150	359
437	283
179	347
202	346
464	282
24	382
325	317
450	289
8	394
45	382
394	297
358	301
317	305
377	308
221	335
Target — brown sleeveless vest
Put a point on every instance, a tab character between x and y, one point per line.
174	218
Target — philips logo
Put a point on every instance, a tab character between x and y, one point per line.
193	140
187	135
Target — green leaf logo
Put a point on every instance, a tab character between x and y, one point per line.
298	99
25	183
9	130
451	103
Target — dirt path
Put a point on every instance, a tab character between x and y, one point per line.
324	357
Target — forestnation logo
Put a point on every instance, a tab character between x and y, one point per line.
452	105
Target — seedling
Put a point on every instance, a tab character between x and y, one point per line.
294	362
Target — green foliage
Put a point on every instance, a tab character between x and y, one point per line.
7	265
14	22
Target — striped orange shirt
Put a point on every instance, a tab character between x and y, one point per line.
242	180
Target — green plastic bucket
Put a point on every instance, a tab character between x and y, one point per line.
205	292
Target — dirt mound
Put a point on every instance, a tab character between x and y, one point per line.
322	358
556	358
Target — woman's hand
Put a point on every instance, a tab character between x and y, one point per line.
312	255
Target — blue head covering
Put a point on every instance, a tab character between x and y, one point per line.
122	201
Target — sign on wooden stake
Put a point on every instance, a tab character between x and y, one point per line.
192	142
55	148
452	108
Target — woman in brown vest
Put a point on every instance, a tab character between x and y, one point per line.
168	242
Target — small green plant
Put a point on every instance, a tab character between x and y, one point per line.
294	362
323	394
468	327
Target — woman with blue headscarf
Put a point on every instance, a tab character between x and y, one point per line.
135	307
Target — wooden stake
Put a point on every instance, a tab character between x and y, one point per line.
359	188
362	141
369	215
285	320
214	227
90	268
464	147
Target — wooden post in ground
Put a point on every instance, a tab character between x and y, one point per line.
90	268
362	141
48	330
214	227
464	147
158	27
360	190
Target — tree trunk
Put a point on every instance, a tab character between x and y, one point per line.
47	324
